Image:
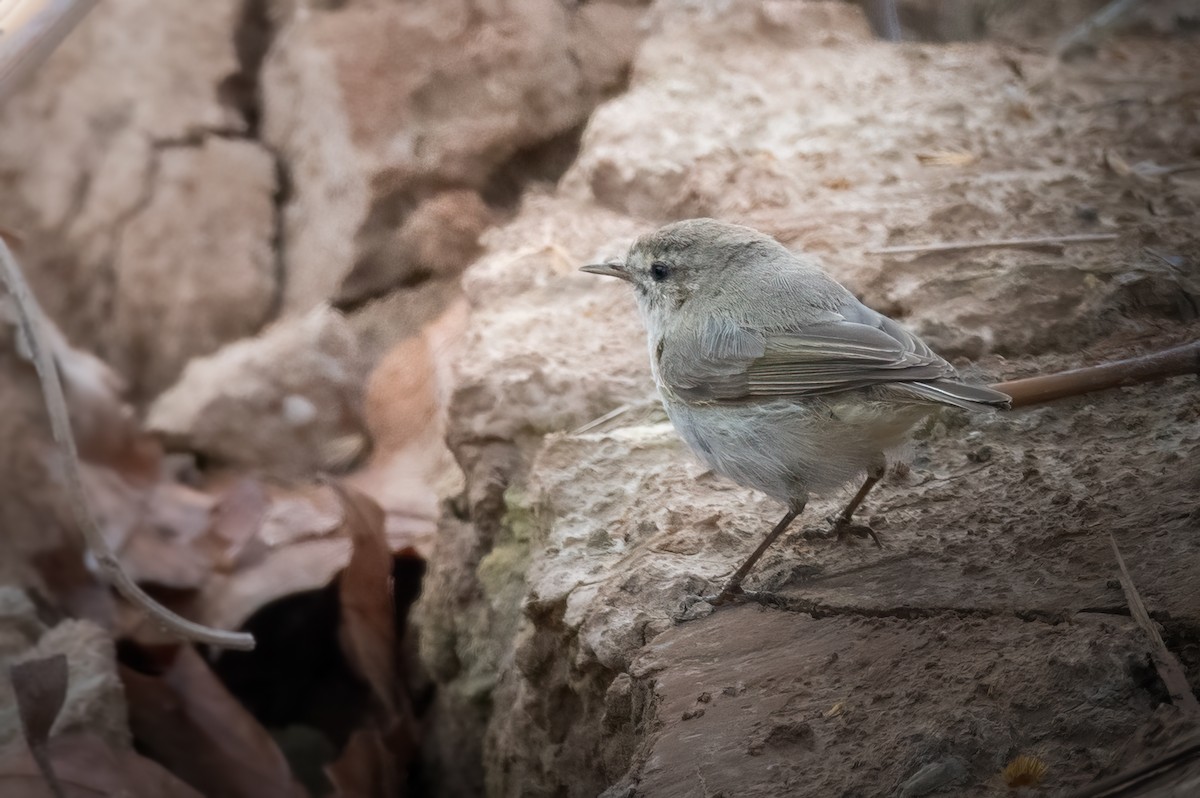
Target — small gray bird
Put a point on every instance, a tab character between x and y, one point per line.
772	372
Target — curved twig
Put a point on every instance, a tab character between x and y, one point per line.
1172	362
29	32
30	320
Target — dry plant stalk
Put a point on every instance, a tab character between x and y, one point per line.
30	326
1174	362
997	243
29	31
1170	670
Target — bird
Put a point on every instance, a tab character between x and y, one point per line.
775	374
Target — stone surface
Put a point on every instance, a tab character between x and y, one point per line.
761	703
220	284
287	402
95	700
109	168
430	97
585	526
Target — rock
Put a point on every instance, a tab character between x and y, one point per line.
823	153
934	777
818	695
378	108
20	627
280	402
143	208
95	700
586	530
438	240
220	285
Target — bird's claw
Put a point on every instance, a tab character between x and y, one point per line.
845	532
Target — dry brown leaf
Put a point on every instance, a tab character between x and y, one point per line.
370	635
40	687
159	533
236	521
947	158
87	767
366	768
368	630
187	720
228	600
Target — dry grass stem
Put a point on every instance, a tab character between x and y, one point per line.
30	326
999	243
1179	360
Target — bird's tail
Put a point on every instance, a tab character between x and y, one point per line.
957	394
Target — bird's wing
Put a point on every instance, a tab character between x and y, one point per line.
720	360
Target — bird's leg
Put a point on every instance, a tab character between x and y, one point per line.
734	586
843	526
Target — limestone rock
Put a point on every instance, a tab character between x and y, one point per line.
192	273
95	700
283	402
132	98
586	529
378	107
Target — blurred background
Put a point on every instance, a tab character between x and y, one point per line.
308	268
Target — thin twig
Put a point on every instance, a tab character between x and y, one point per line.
999	243
29	31
1173	362
1169	670
1102	20
609	416
29	317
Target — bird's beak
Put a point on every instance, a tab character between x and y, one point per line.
609	269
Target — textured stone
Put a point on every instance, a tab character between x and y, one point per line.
193	273
576	545
95	700
281	402
430	96
131	99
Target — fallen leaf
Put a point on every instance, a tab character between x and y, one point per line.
293	518
40	687
186	719
158	533
365	769
87	767
368	630
237	519
373	610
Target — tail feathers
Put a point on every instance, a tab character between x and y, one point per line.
957	394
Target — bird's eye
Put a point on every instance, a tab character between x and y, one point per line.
660	271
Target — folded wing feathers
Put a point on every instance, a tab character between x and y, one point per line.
739	364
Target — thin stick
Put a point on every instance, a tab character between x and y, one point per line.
999	243
609	416
30	318
1101	20
29	32
1168	667
1172	362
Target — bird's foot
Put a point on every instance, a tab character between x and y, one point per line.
695	607
845	532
